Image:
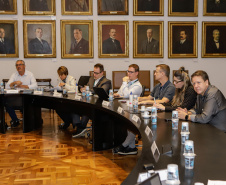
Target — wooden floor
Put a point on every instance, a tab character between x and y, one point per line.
50	156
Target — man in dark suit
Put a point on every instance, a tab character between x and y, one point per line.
80	45
215	45
97	80
182	5
6	45
38	5
111	45
183	46
113	5
216	6
148	5
38	45
149	45
4	5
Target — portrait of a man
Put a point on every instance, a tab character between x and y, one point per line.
148	5
183	5
216	6
79	45
112	45
77	5
5	5
113	5
182	43
38	45
39	5
6	43
149	45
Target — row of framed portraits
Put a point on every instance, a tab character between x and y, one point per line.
113	39
116	7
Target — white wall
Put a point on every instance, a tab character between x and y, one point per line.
46	68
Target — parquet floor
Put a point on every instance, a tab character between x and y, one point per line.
50	156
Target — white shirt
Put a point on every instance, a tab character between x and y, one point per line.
27	79
126	88
96	81
70	83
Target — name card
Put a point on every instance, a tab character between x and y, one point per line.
143	176
12	91
148	131
78	98
154	148
120	110
38	92
57	95
105	103
135	118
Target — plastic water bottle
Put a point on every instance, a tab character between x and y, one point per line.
2	88
175	120
76	89
131	99
135	102
154	115
111	96
87	91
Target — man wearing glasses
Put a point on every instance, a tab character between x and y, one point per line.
164	91
23	79
97	80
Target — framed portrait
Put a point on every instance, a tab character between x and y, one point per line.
8	39
77	39
113	39
188	8
182	39
214	39
8	7
113	7
214	7
77	7
147	7
39	38
148	39
39	7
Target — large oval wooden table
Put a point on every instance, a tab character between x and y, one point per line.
110	128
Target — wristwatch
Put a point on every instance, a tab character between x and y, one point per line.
186	117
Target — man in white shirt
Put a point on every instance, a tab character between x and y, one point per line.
23	79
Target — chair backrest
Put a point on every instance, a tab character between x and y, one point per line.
117	79
144	78
91	73
46	82
5	82
143	91
83	80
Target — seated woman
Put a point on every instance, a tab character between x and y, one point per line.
185	96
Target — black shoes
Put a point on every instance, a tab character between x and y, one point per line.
14	123
62	126
125	150
118	149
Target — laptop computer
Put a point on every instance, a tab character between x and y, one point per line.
101	93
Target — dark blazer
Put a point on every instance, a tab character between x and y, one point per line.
7	47
81	48
103	83
212	48
37	5
146	5
149	48
183	6
112	5
4	5
185	48
212	7
110	47
36	47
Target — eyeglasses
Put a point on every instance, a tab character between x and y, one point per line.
96	73
19	65
176	82
130	71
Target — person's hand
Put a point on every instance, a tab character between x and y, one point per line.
142	103
17	83
159	106
116	95
61	84
140	99
181	114
125	79
82	89
182	110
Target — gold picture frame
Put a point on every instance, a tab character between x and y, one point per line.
183	8
35	7
76	39
148	39
182	39
213	39
213	8
149	8
118	46
8	7
9	43
39	38
106	7
68	7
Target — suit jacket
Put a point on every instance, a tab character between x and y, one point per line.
36	47
38	5
212	7
212	48
147	5
81	48
185	48
110	47
4	5
7	47
149	48
112	5
76	5
183	6
103	83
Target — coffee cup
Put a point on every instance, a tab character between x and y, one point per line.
172	174
146	113
143	108
189	147
184	127
189	161
184	137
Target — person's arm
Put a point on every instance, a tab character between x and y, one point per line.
189	99
33	84
70	86
145	98
10	83
150	102
106	86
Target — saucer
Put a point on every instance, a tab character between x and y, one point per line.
142	110
149	108
146	116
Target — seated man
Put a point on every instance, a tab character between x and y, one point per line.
210	105
130	84
162	92
67	82
23	79
97	80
